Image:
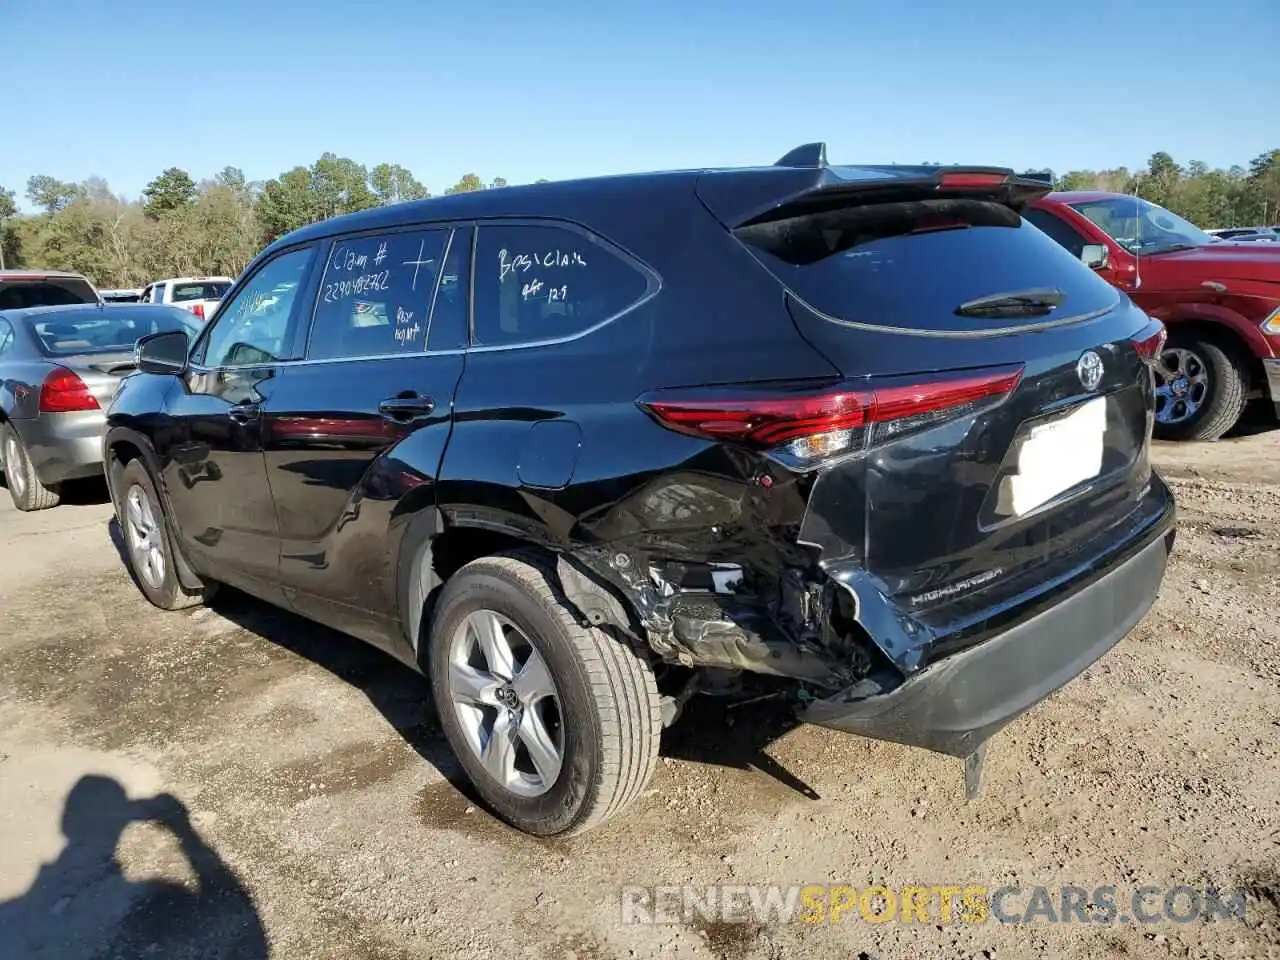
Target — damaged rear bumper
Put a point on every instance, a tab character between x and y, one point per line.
953	705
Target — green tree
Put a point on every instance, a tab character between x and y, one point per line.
50	193
498	182
392	183
8	209
172	190
338	186
286	203
468	184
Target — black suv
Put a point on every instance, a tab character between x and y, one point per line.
574	449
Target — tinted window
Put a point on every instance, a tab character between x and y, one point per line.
1058	229
254	326
449	315
109	330
205	290
18	295
544	282
375	295
912	264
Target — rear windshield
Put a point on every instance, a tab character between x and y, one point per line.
52	292
113	329
205	290
913	264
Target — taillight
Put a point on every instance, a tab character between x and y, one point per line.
809	423
198	310
1150	340
64	392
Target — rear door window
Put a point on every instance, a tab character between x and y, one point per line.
540	282
912	264
1071	239
375	295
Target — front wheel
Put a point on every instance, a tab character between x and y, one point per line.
148	543
555	723
1200	390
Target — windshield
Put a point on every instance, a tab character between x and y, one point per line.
112	329
1142	227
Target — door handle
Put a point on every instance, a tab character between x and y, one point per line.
406	406
244	412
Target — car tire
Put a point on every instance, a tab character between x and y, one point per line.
25	488
603	713
1225	400
149	542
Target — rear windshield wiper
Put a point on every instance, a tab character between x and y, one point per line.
1023	303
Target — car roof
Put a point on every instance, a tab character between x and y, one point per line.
193	280
1082	196
753	185
40	275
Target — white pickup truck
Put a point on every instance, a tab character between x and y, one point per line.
200	295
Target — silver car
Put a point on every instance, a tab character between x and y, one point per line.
58	371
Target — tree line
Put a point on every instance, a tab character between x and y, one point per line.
179	227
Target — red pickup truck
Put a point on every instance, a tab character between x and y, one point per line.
1220	301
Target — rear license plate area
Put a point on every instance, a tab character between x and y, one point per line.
1054	457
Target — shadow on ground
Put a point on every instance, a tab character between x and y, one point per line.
711	731
82	905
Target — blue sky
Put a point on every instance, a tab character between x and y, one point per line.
556	88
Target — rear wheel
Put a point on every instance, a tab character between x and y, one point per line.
25	488
1200	390
556	724
149	543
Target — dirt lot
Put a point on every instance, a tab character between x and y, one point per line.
313	815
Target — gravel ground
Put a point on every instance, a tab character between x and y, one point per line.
236	781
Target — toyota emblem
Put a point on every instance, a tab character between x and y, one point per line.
1089	370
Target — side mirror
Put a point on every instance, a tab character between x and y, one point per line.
164	353
1094	256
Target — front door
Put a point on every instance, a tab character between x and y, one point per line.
354	434
212	459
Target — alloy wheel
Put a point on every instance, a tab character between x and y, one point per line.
1182	385
146	537
506	703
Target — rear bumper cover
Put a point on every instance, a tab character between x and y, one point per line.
957	703
64	446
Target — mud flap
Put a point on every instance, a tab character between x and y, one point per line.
973	772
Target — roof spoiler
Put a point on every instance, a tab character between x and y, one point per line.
806	155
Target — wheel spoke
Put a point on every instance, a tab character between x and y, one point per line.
498	755
542	749
533	682
487	630
469	685
134	512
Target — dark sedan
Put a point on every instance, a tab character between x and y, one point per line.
58	370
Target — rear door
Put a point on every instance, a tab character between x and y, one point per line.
212	450
353	435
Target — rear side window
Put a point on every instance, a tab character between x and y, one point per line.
912	264
375	295
1068	236
537	282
